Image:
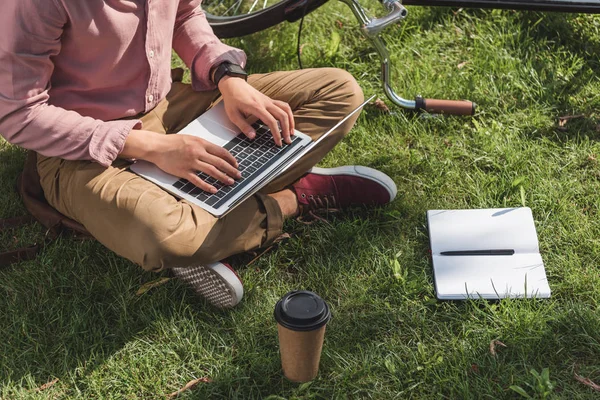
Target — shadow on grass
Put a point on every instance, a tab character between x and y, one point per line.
58	312
559	32
71	308
575	130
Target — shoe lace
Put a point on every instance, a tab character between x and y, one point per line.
317	204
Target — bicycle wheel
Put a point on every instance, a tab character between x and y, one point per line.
234	18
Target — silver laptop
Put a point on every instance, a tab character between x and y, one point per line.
259	160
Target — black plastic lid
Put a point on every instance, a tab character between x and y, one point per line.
301	310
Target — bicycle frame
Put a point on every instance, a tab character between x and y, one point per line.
371	29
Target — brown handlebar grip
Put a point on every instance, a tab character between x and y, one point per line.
453	107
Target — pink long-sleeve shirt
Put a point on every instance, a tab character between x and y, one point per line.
70	69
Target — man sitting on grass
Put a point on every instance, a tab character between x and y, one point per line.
88	86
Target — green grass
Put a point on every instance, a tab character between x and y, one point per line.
73	314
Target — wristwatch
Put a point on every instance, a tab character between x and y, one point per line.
229	69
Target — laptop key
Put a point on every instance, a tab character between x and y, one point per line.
202	196
179	184
211	200
196	191
188	187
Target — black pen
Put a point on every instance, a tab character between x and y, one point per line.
491	252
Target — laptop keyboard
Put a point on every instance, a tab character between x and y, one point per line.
253	156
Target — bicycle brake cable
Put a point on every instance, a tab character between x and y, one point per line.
300	34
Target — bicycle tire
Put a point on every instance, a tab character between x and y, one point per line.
246	24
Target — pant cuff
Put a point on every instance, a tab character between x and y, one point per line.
274	218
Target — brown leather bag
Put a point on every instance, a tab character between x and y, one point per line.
32	194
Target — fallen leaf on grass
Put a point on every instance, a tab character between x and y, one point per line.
568	117
301	48
462	65
339	24
190	385
47	385
147	286
493	345
278	239
380	104
259	256
588	382
562	121
591	158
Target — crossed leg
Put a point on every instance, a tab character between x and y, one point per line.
145	224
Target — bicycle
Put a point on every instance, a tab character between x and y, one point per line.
237	18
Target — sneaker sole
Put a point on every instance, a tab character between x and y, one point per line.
216	282
362	172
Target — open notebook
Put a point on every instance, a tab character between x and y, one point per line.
476	275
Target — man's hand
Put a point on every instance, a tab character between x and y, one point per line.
183	156
242	100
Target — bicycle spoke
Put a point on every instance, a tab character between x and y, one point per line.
238	2
252	7
232	8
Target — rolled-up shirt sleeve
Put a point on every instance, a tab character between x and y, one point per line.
197	45
30	35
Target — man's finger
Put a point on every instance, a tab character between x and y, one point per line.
271	122
224	166
222	153
284	122
239	121
288	110
195	180
213	171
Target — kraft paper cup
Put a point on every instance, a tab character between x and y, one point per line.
301	319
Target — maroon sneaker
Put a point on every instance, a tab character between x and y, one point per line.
334	188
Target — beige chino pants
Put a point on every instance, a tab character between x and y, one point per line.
145	224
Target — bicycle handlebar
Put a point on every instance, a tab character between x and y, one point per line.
371	29
452	107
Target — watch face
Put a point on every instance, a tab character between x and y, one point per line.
236	69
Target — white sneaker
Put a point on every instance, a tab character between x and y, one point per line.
217	283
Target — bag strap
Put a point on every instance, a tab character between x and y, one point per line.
24	253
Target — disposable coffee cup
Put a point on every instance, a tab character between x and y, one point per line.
301	319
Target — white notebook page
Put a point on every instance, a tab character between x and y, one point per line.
491	277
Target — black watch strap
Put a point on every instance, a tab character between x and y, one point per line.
229	69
